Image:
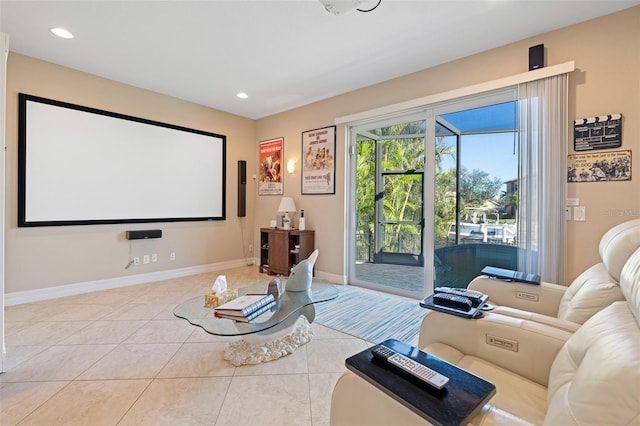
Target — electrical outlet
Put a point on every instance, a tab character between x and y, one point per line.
172	256
136	260
146	259
250	248
154	257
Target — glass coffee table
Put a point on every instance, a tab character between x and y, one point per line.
271	335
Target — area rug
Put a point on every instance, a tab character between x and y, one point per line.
371	315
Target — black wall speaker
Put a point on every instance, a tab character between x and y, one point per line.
242	188
142	235
536	57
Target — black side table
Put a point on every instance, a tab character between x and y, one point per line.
464	395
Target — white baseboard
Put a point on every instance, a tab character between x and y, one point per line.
28	296
332	278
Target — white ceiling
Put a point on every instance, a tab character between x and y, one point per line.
284	54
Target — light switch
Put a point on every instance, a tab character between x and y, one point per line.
579	213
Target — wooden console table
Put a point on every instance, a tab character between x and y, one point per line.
281	249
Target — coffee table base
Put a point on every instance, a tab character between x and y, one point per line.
257	348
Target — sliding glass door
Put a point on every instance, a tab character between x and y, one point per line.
476	192
388	172
434	196
479	162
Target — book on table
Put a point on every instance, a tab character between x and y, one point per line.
245	305
251	316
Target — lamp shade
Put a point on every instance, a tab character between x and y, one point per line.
287	205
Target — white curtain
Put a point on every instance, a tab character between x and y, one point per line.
4	54
543	128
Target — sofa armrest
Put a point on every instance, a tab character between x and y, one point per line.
355	401
542	299
532	316
526	348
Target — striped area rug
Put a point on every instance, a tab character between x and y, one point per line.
371	315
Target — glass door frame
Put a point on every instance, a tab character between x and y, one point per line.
427	209
382	221
429	113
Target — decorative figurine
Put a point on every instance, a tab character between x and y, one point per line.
300	276
275	287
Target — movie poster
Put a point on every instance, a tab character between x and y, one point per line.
318	161
599	167
271	167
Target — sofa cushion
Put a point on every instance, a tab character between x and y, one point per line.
597	287
630	284
515	396
595	379
589	293
618	244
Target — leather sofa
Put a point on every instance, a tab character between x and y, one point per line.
556	377
568	307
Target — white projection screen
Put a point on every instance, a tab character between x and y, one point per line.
83	166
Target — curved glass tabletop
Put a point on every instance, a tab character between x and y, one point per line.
289	303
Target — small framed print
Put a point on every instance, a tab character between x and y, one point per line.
271	152
594	133
599	167
319	161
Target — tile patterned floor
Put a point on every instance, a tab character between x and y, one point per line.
120	357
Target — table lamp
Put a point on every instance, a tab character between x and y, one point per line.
287	205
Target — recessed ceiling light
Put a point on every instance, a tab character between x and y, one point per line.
61	32
242	95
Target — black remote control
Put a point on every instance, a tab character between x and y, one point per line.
452	301
474	296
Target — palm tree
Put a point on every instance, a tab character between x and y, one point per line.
403	193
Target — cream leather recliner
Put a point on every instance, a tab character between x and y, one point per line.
568	307
589	377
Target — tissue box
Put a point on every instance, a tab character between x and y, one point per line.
214	300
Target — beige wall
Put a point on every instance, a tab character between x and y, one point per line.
52	256
607	57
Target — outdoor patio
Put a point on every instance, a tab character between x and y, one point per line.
455	266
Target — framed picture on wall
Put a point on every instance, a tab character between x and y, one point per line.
599	166
319	161
271	152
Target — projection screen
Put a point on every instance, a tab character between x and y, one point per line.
83	166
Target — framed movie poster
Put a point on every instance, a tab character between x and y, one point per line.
271	167
599	166
318	161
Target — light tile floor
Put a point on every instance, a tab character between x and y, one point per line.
120	357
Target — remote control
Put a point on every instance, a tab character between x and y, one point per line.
412	367
452	301
474	296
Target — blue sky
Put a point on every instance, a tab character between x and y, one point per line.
493	153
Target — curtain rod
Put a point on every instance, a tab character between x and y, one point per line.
475	89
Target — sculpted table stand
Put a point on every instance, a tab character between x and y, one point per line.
270	336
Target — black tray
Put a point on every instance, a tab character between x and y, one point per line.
471	313
461	399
